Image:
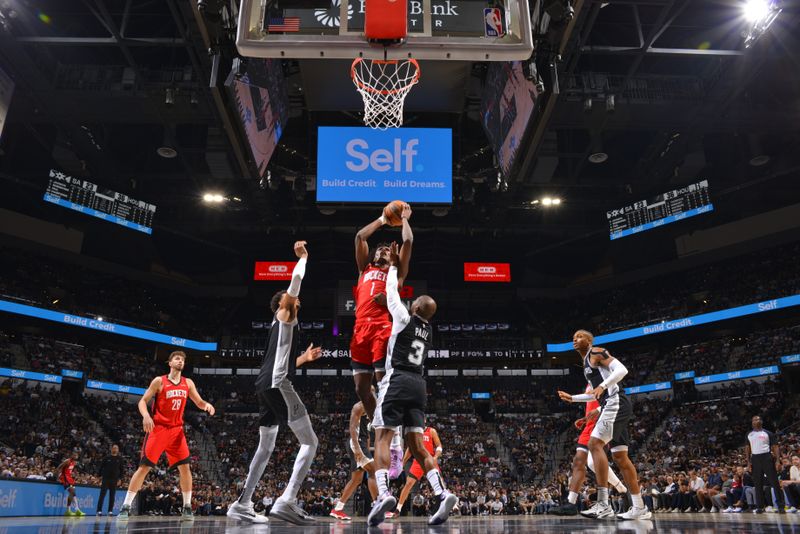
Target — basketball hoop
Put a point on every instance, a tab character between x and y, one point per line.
384	85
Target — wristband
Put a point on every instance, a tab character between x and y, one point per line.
382	219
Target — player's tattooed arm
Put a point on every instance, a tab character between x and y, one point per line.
362	247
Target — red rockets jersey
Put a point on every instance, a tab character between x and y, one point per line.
170	402
371	282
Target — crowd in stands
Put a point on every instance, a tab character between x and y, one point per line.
755	277
44	281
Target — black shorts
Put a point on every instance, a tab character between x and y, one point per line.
280	405
612	425
402	400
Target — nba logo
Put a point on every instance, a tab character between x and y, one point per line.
493	16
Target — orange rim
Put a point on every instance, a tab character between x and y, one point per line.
370	89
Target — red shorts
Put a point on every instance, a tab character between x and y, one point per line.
368	346
583	440
68	483
169	439
416	470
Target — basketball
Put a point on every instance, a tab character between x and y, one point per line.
392	212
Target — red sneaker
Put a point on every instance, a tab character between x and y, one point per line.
391	515
339	515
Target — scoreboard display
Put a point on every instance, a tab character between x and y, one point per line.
88	198
666	208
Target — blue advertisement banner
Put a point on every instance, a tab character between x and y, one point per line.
69	373
648	388
662	222
737	375
695	320
104	326
35	498
116	388
366	165
684	376
790	358
481	395
29	375
95	213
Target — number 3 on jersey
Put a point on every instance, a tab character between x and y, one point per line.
415	357
176	405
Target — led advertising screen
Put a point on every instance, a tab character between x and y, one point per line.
366	165
263	105
508	102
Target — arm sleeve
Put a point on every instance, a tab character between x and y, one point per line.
583	397
297	278
400	316
618	372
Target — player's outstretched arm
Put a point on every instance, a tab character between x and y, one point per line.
287	311
400	316
362	247
152	391
405	249
198	400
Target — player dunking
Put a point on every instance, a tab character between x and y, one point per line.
402	397
359	446
373	323
583	459
432	444
164	431
65	477
604	372
278	403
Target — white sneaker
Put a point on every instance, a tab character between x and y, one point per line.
244	512
728	510
713	511
675	511
770	510
598	511
792	510
636	513
289	511
736	510
446	502
382	504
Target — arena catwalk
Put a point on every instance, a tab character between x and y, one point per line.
690	523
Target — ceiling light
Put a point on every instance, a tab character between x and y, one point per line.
755	10
556	201
100	318
208	197
534	202
547	201
55	301
218	198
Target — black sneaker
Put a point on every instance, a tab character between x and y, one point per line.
187	514
564	509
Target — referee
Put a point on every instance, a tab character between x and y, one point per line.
110	472
764	462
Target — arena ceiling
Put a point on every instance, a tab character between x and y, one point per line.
101	84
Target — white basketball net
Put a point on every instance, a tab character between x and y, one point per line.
383	86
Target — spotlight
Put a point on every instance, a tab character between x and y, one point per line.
213	198
547	201
208	197
218	198
556	201
755	10
100	318
56	301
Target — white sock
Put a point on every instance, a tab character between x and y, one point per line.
187	498
602	496
637	500
339	505
436	482
266	444
397	441
399	508
129	498
573	497
382	479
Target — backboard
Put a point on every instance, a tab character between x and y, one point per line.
458	30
